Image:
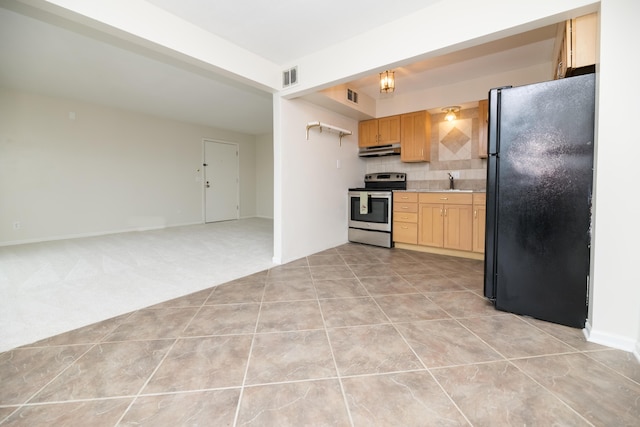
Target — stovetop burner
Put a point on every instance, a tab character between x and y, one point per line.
384	181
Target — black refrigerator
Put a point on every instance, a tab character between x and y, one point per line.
539	183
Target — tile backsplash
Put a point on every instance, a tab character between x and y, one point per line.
454	148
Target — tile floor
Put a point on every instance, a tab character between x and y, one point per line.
355	335
52	287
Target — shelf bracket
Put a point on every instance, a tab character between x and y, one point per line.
341	132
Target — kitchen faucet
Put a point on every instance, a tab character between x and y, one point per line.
450	181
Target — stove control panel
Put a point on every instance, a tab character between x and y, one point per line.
386	177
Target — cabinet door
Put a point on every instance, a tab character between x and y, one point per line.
405	232
430	231
399	206
415	135
458	226
389	130
368	133
575	45
583	40
483	125
479	224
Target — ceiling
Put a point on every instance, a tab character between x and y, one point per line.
45	54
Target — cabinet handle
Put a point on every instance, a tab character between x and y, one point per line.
440	211
405	207
445	212
405	197
559	72
444	198
405	227
475	213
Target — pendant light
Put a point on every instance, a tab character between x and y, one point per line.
387	82
451	113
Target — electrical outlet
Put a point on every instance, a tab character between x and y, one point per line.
17	225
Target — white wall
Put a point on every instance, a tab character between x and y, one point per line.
615	307
615	302
108	170
248	178
310	188
439	28
264	176
461	92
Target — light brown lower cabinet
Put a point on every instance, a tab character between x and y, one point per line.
440	220
458	225
431	230
405	218
479	221
445	220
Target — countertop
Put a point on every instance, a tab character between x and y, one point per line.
413	190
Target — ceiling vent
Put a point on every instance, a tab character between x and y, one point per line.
352	96
290	77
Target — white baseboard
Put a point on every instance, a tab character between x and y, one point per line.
613	341
94	234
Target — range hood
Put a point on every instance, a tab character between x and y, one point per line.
380	150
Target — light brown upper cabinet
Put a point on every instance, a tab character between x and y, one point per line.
415	136
383	131
575	45
483	128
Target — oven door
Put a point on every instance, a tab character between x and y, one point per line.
378	216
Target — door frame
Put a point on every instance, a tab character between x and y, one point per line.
203	175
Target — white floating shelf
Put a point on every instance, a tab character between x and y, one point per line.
323	126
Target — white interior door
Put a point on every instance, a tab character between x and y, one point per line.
221	181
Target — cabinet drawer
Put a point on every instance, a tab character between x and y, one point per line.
479	198
447	198
405	217
405	197
405	232
405	207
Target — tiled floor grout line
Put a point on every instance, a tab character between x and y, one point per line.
561	400
28	403
509	361
524	319
480	338
91	346
139	393
145	253
566	404
426	368
15	410
586	353
253	339
333	357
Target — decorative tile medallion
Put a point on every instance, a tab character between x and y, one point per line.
454	140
